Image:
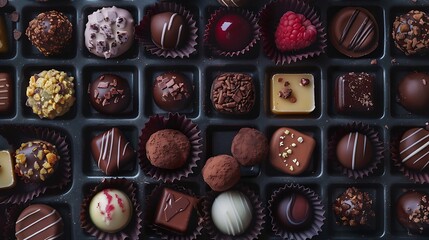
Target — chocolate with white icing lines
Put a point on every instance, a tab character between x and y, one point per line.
414	149
111	151
354	151
167	30
6	92
39	221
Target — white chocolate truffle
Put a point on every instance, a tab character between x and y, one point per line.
109	32
232	213
110	210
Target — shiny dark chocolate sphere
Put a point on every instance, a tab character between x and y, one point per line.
413	92
294	211
411	209
172	91
354	151
167	30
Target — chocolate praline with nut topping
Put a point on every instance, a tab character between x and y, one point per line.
354	208
233	93
109	94
36	160
50	32
413	92
411	32
412	212
172	91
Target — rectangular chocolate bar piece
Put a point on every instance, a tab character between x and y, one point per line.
355	93
6	93
7	174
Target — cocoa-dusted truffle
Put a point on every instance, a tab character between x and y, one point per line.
354	208
221	172
413	92
168	30
412	211
172	91
50	32
249	147
109	94
411	31
233	93
168	149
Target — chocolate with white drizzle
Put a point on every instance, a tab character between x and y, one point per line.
354	151
167	30
414	149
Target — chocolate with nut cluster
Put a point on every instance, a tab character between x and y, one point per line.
412	211
233	93
410	32
354	208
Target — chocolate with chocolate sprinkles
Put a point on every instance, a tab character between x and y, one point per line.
233	93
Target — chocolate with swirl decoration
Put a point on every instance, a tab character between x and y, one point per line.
111	151
167	30
414	149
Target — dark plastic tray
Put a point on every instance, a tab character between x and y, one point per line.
140	67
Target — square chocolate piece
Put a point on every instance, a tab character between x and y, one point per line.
6	92
354	93
175	210
7	174
292	93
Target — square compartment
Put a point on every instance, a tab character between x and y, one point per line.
335	71
219	140
29	13
190	72
30	70
211	74
10	26
379	15
270	72
89	165
129	73
11	70
376	230
132	53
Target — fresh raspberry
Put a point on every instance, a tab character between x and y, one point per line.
294	32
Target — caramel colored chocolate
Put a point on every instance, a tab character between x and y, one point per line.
4	45
292	94
6	93
175	210
291	151
7	174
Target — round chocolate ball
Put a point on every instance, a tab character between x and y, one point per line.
354	208
413	149
50	32
294	212
36	160
413	92
249	147
410	32
354	151
221	172
233	32
168	149
168	30
109	94
412	211
110	210
232	213
233	3
172	91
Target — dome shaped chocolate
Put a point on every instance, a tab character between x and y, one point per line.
413	149
167	30
412	211
172	91
354	151
294	211
413	92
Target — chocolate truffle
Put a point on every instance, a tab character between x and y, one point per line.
172	91
410	32
221	172
109	32
291	150
414	149
354	32
249	147
50	32
233	93
355	93
111	151
168	30
4	45
175	210
354	208
6	93
233	3
36	160
412	211
292	93
39	221
413	92
7	173
232	32
110	210
109	94
231	213
354	151
50	93
294	212
168	149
